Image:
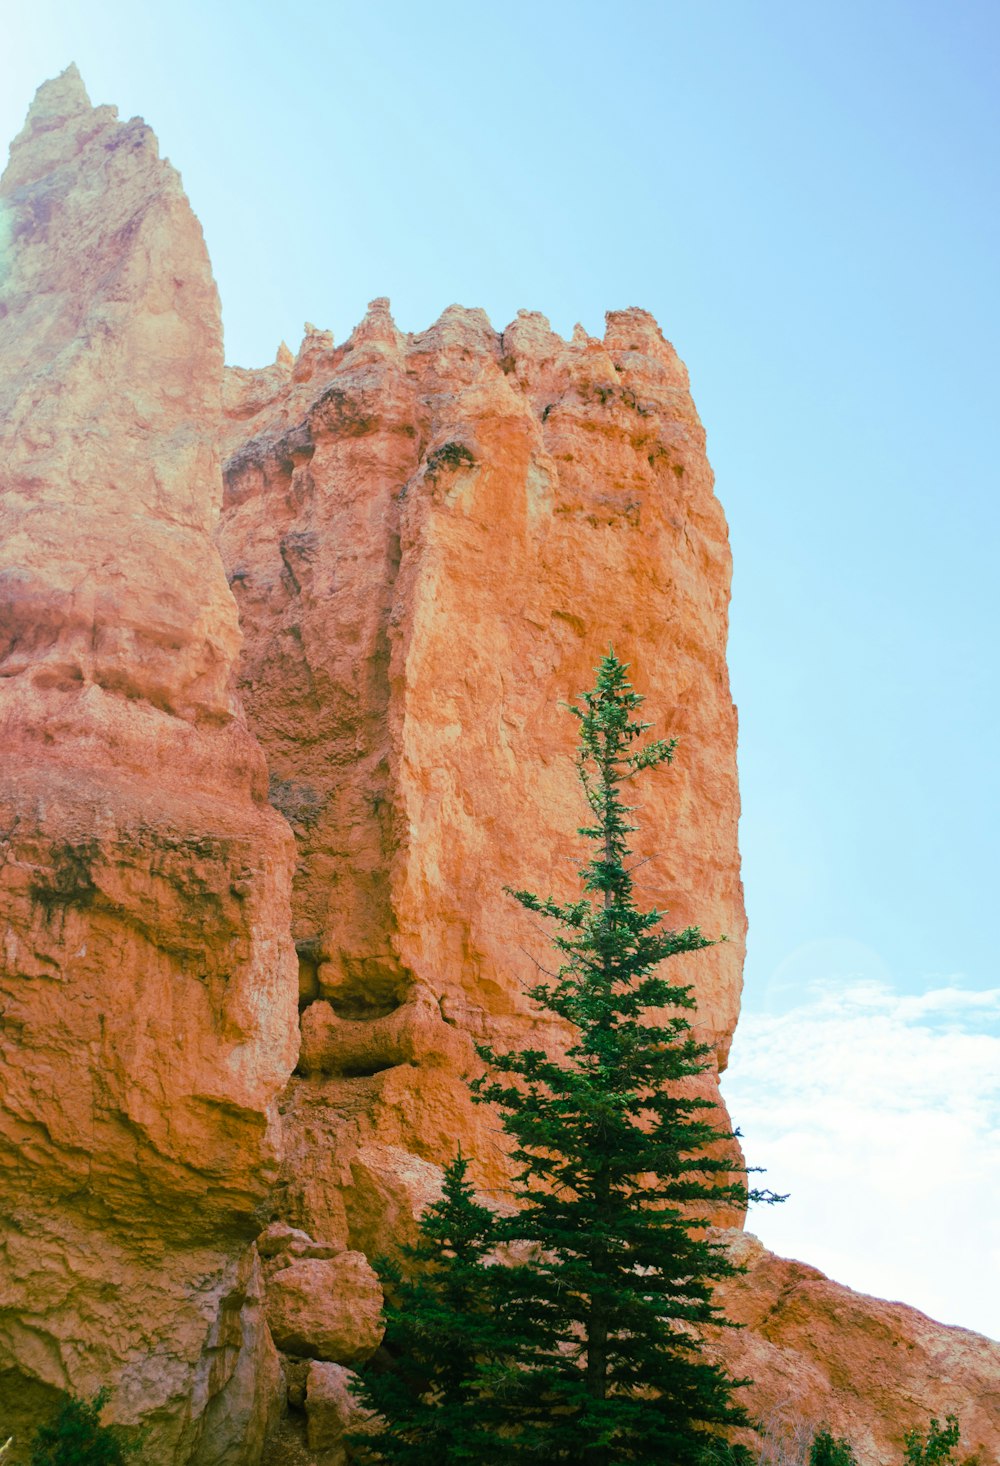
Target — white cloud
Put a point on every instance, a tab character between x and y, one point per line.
879	1112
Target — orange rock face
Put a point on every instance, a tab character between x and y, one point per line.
820	1355
326	1308
147	975
430	541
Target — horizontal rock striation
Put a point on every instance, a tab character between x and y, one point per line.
147	977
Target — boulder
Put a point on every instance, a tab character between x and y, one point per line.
332	1411
279	1244
326	1308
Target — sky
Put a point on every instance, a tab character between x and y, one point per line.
806	197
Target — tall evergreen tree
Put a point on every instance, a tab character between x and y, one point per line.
619	1161
590	1349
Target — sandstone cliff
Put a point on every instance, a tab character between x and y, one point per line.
429	540
822	1355
147	978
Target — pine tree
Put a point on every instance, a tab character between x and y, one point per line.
443	1341
619	1162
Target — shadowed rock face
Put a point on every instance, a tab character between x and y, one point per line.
431	540
147	976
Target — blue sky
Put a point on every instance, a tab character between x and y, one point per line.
806	198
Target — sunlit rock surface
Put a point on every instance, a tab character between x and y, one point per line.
147	978
430	541
868	1370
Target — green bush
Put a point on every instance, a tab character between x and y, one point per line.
451	455
934	1448
76	1437
827	1451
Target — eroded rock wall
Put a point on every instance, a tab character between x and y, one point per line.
432	539
822	1355
147	977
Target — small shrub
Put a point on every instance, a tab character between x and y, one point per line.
450	455
791	1442
76	1437
934	1448
828	1451
300	803
782	1442
720	1453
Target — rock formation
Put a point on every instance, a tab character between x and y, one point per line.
147	1010
430	541
820	1354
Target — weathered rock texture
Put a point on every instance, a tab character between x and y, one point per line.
326	1308
431	540
332	1412
820	1354
147	977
